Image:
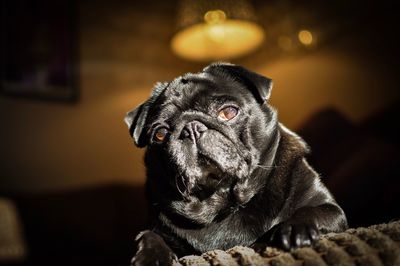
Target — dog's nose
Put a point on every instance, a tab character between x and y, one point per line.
193	130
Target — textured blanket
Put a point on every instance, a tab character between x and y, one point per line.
375	245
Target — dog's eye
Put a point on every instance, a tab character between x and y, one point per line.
228	113
161	134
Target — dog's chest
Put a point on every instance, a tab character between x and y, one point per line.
237	229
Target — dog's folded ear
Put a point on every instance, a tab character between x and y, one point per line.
259	85
136	118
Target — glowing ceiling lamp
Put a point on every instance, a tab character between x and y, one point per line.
216	30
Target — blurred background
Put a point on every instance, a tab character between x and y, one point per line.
71	180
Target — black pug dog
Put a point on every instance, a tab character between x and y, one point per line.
222	171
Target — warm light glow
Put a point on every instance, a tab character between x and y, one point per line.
305	37
215	16
217	39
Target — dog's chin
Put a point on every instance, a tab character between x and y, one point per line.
211	180
211	177
211	196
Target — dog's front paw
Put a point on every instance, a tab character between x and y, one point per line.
152	250
149	257
291	234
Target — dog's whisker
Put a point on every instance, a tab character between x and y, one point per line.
266	167
183	181
177	186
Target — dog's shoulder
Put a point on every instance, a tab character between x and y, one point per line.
291	145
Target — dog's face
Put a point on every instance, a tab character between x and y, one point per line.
206	135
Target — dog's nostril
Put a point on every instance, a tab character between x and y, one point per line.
200	127
185	133
193	130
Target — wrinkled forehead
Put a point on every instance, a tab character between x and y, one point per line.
191	89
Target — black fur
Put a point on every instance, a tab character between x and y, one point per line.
214	184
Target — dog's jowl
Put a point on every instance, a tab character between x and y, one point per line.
222	171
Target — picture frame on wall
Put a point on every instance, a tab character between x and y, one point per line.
39	49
